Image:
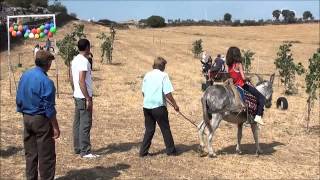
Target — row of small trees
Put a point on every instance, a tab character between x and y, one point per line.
287	70
106	46
68	45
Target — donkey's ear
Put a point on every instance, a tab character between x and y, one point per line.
259	78
272	78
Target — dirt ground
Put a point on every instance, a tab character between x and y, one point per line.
118	123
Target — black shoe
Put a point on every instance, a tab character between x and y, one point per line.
144	155
173	153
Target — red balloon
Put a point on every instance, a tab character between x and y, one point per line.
34	31
14	33
50	34
10	29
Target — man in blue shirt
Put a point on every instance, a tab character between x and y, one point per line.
36	101
156	87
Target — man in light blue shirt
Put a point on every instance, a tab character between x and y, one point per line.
156	87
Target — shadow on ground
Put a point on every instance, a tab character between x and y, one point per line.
10	151
96	173
116	147
268	149
181	149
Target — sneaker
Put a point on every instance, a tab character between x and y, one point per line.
90	156
258	119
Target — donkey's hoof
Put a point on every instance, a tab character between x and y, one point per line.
212	155
258	152
239	152
203	154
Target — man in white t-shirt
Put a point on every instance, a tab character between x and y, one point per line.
82	83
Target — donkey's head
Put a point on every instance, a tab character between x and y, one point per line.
265	88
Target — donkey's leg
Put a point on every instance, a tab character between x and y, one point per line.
215	121
201	128
255	132
239	136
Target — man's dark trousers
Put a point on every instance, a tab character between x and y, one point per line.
39	147
81	128
159	115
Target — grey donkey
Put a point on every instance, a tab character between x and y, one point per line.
218	104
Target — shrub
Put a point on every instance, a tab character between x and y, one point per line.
197	47
156	21
287	68
247	58
312	81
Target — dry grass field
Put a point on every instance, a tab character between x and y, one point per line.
118	124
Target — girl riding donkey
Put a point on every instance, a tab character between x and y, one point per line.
236	73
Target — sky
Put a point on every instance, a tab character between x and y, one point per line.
123	10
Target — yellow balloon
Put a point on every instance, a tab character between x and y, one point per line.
36	36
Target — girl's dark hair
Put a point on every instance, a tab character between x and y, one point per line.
83	44
159	63
233	56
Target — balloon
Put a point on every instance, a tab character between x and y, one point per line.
19	33
36	36
14	33
45	31
38	30
26	35
42	27
28	31
53	29
47	26
34	31
20	28
11	29
25	27
42	34
31	35
15	27
51	25
50	34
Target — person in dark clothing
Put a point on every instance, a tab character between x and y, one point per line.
35	99
218	65
48	44
156	87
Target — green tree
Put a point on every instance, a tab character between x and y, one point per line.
289	16
27	3
287	68
276	14
197	48
106	47
57	7
247	58
312	81
227	17
156	21
68	45
307	15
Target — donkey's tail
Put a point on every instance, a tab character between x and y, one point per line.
205	113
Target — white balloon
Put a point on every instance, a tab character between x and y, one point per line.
31	35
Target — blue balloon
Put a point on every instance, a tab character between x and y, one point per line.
25	27
51	25
28	31
47	26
